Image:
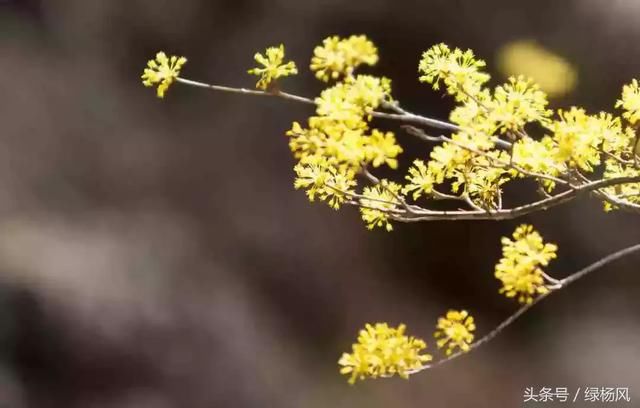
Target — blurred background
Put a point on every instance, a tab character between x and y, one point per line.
153	253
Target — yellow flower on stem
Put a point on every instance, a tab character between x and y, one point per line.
630	102
338	57
273	67
455	331
383	351
519	269
518	102
460	71
378	202
163	71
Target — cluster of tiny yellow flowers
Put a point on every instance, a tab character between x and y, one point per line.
379	203
489	146
459	70
518	102
324	181
339	141
162	71
455	331
519	270
273	67
383	351
338	57
630	102
574	140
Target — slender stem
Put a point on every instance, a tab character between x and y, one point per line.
245	91
436	123
507	214
563	283
404	116
550	278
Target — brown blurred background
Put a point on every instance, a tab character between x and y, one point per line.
154	253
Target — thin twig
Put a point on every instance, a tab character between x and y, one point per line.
515	212
245	91
404	116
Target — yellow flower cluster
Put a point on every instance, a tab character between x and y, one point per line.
576	140
324	181
273	67
468	173
354	99
519	270
577	136
455	331
339	141
378	204
458	70
489	147
162	71
630	102
518	102
338	57
383	351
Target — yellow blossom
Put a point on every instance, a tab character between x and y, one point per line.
162	71
322	180
305	142
538	156
455	331
338	57
338	143
378	203
446	158
474	115
383	351
578	137
273	66
482	184
518	102
420	179
519	268
630	102
458	70
626	193
355	98
381	148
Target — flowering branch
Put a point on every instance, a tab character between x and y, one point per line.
419	214
562	283
487	146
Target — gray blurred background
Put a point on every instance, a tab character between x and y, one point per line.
155	254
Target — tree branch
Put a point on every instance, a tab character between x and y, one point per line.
563	283
402	116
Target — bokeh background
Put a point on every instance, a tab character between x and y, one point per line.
153	253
